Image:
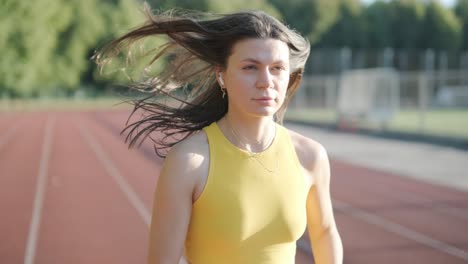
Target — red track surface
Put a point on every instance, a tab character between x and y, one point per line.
97	199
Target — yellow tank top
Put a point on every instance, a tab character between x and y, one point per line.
252	210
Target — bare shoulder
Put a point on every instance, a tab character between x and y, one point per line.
191	149
310	153
187	161
190	153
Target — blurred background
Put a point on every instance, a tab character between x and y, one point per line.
402	65
378	69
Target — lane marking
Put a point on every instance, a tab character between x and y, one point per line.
400	230
112	170
120	179
414	197
453	211
33	235
417	198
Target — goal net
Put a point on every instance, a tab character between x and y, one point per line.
369	95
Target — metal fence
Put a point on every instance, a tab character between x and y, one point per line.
332	61
422	89
424	102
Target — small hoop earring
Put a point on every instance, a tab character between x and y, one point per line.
224	92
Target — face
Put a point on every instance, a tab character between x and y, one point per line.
257	76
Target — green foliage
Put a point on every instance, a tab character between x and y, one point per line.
400	24
442	29
407	21
27	42
237	5
47	43
461	10
312	18
397	24
201	5
216	6
349	30
380	17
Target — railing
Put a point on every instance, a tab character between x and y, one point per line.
423	100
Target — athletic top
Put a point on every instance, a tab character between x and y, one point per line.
252	209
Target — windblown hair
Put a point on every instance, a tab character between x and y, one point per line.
197	44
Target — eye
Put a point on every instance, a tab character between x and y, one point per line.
279	68
249	67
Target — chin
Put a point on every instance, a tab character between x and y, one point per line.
265	112
257	111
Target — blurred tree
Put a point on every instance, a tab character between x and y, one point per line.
27	41
201	5
442	29
380	17
118	16
407	23
92	23
46	43
461	10
216	6
237	5
312	18
350	28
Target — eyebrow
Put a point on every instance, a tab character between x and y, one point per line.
259	62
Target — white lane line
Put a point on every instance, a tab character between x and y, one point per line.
408	197
40	192
123	184
117	176
453	211
400	230
8	135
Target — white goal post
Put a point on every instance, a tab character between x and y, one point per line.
368	95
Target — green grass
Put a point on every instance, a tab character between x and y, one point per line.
452	123
441	122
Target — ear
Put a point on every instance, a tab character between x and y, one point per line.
219	76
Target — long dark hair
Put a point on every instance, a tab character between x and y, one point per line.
197	43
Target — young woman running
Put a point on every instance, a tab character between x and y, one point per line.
236	186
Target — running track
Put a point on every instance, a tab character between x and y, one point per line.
71	192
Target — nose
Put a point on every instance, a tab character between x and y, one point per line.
264	79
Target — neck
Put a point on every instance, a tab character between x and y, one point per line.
253	134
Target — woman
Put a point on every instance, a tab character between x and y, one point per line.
237	187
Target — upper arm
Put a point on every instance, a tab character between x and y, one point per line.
314	159
172	205
319	206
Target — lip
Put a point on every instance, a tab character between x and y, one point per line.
264	99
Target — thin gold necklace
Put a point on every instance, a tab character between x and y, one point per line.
253	154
